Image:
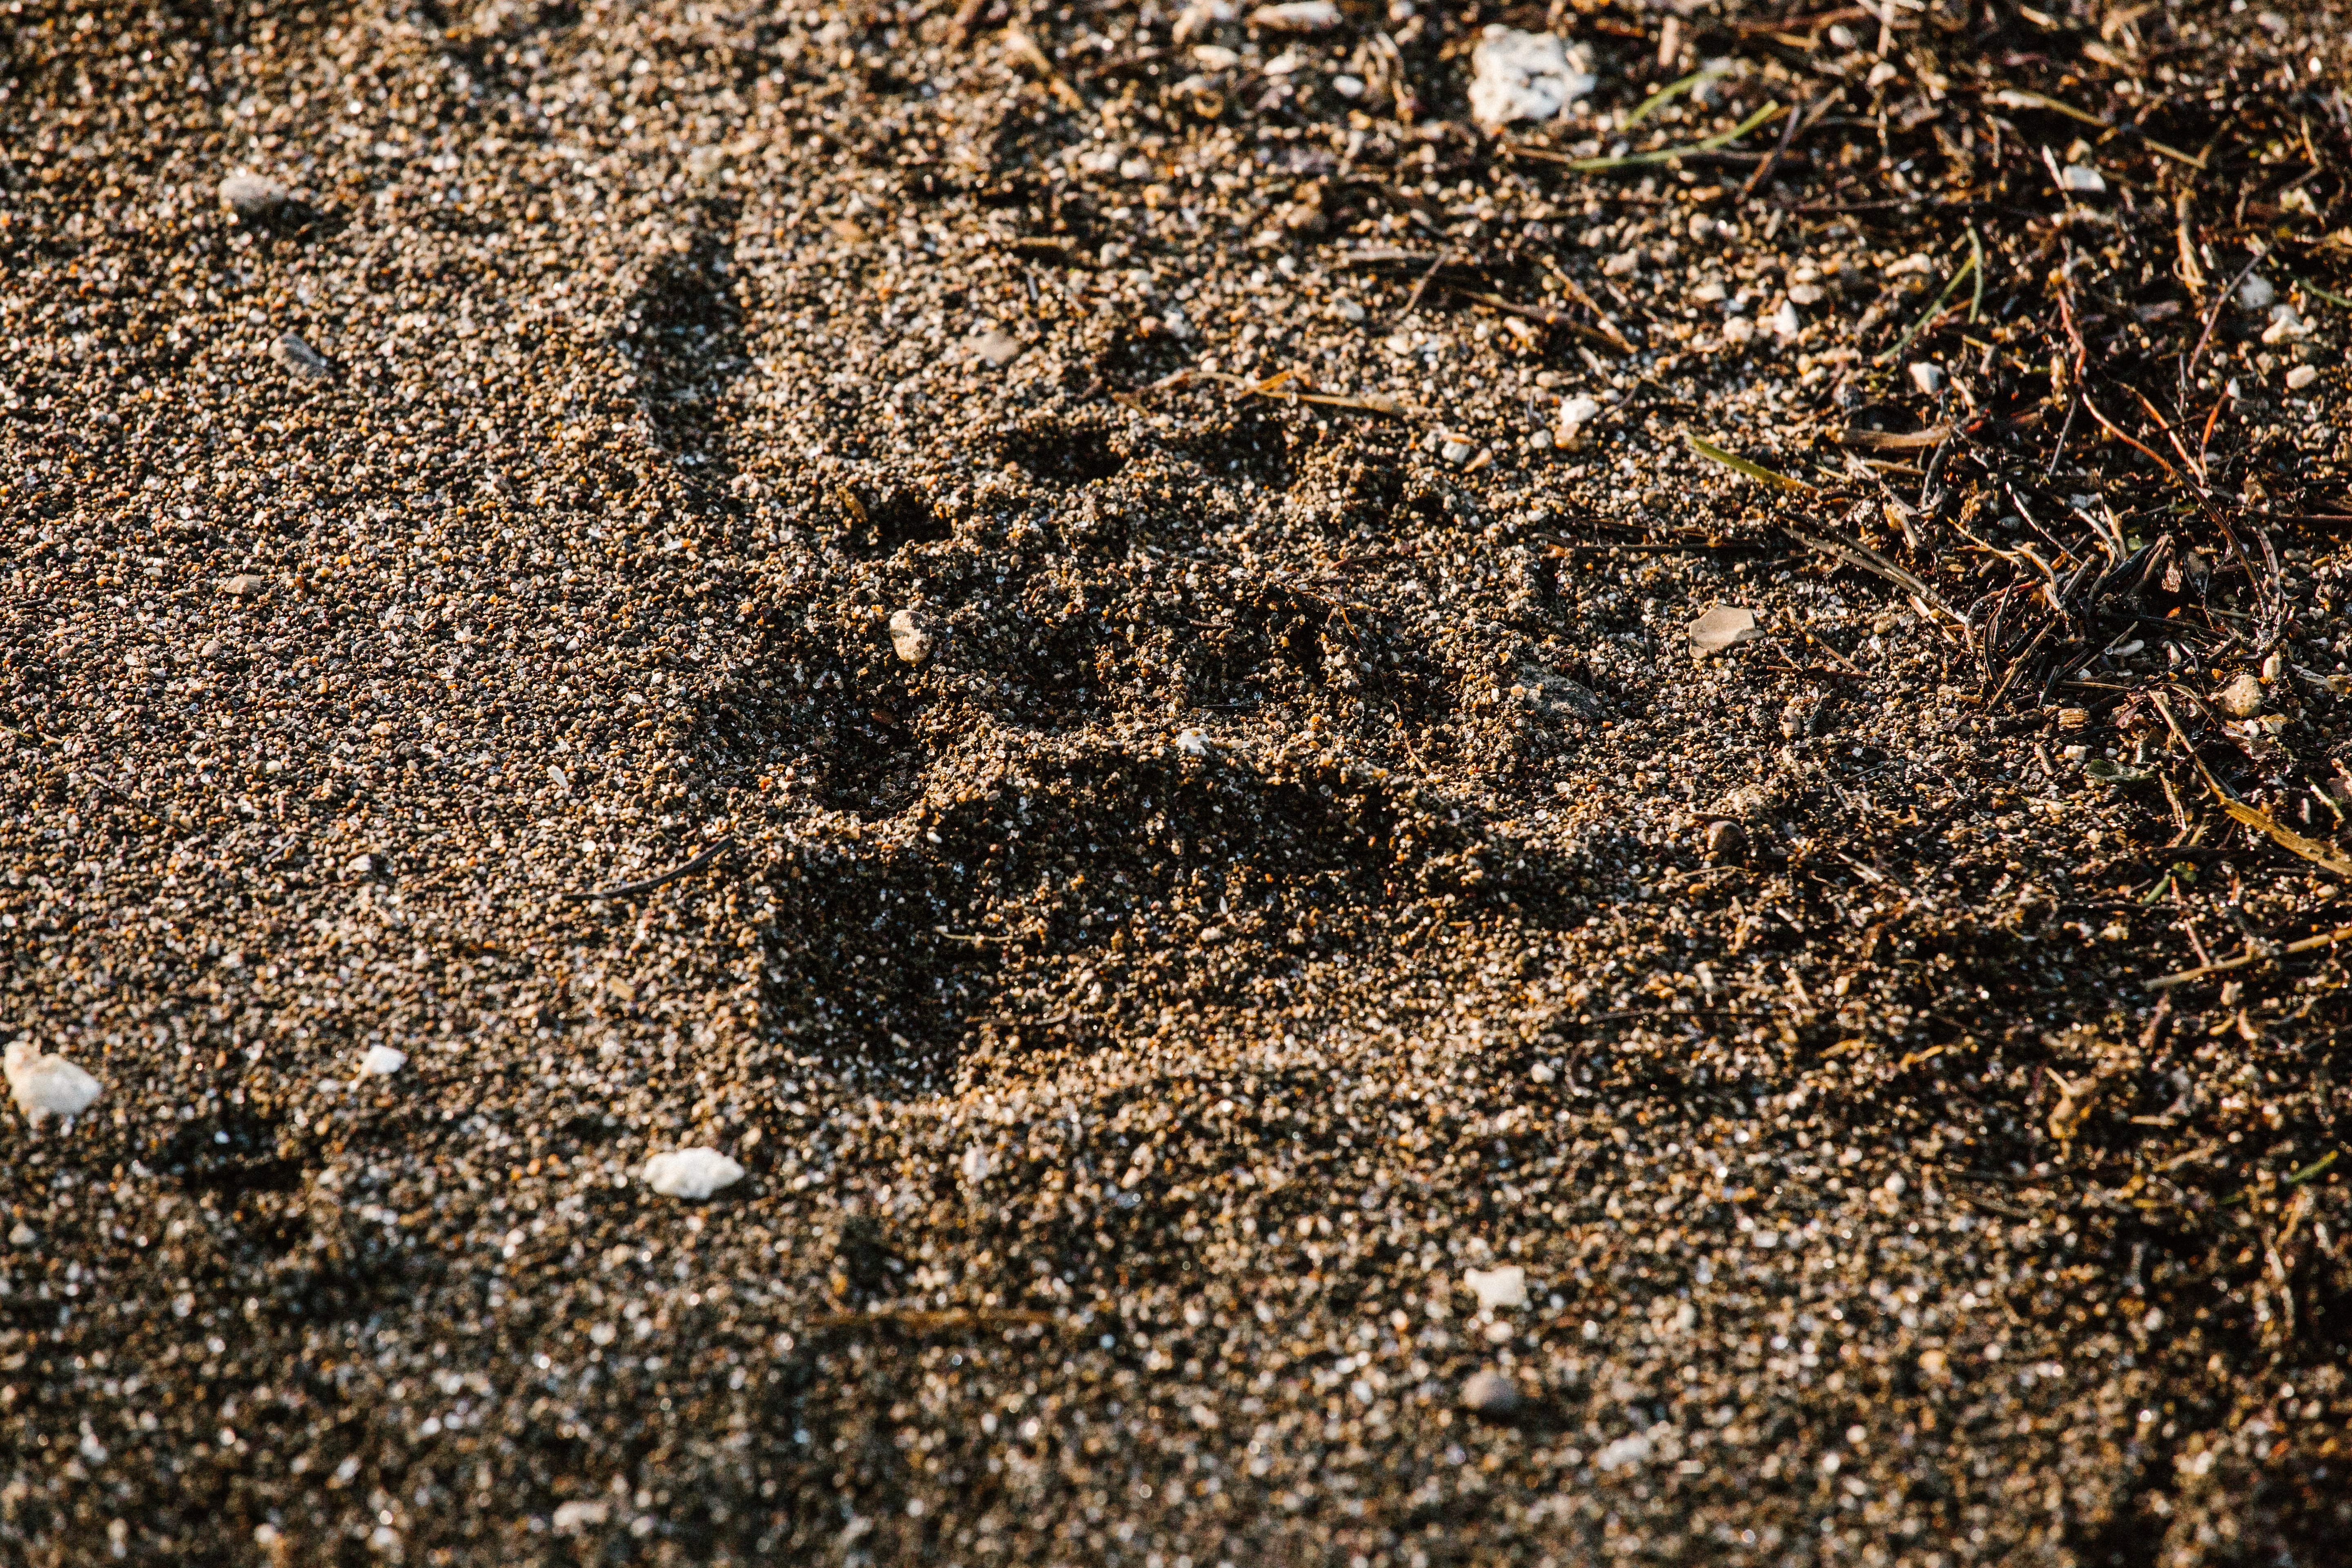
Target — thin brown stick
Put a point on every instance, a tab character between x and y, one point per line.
2126	441
627	889
1772	160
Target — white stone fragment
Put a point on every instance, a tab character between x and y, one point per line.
691	1173
580	1512
47	1086
1192	743
1527	76
2301	376
908	637
2285	325
382	1061
1624	1453
2081	178
2256	293
1577	412
1504	1286
1296	16
1723	627
1785	322
1928	378
977	1164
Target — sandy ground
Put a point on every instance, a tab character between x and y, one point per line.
1146	565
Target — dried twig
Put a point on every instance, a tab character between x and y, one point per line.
2250	957
627	889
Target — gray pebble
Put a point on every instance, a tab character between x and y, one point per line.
1491	1393
253	196
300	358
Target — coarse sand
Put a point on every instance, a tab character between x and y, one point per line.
1008	785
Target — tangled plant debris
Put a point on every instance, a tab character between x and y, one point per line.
1075	635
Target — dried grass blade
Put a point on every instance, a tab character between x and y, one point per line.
1714	454
2311	849
1629	160
1967	269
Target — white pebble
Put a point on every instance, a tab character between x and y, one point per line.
1296	16
47	1086
2256	293
1192	743
1577	412
1624	1452
1526	75
977	1164
1504	1286
1785	323
1928	378
691	1173
2301	376
578	1514
909	639
2081	177
382	1061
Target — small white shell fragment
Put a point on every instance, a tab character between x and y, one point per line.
1504	1286
909	638
691	1173
1577	412
1296	16
2081	177
1723	627
2256	293
1785	322
1192	743
1527	76
2301	376
47	1086
382	1061
1928	378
